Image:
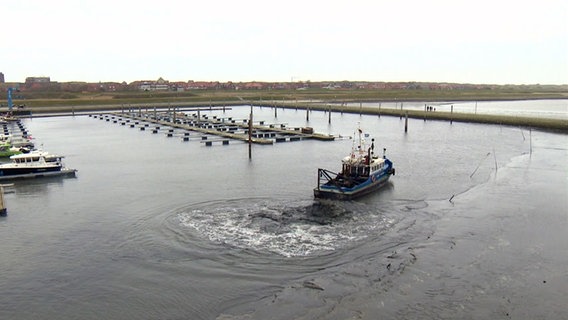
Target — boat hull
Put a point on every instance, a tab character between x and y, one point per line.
329	191
19	170
40	174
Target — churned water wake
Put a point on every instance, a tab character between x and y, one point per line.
286	228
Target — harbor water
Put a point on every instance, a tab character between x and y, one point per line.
554	108
474	225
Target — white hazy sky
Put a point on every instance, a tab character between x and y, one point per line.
477	41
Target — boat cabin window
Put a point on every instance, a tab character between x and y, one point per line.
355	171
378	166
27	159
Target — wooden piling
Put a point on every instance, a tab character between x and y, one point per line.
530	141
406	121
3	209
308	114
329	116
250	134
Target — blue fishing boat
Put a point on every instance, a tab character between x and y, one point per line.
362	172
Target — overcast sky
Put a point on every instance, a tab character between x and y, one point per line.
478	41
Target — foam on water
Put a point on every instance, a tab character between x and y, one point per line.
285	228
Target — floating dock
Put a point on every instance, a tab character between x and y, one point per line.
224	129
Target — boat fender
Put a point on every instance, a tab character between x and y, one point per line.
392	171
374	178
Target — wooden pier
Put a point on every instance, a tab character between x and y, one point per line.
224	128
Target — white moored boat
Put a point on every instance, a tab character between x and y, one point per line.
34	164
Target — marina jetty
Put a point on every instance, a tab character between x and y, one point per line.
549	124
559	125
221	128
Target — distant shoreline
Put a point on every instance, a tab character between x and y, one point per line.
556	125
52	103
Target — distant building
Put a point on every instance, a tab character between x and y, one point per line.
1	77
38	80
149	85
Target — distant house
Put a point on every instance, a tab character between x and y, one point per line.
38	80
149	85
202	85
253	86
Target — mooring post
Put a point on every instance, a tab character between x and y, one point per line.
308	114
452	114
139	112
406	121
530	140
250	134
360	108
329	116
401	110
425	110
379	109
275	112
155	114
3	209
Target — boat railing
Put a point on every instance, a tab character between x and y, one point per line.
339	180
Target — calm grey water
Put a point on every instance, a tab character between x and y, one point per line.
156	228
552	108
